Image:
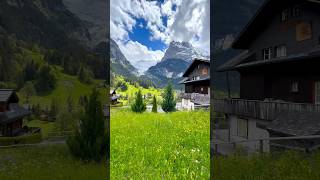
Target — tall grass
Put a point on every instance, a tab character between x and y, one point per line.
279	166
52	162
159	146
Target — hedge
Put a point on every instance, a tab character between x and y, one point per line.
24	139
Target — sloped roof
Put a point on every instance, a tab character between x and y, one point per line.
5	94
260	20
296	123
16	112
189	69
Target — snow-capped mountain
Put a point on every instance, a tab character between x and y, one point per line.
184	51
176	60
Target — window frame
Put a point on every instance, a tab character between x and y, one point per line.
279	51
294	87
269	54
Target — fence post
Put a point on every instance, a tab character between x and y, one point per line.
261	145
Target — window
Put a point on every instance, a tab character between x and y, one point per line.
284	15
294	86
303	31
317	92
204	71
296	11
198	78
242	128
281	51
267	53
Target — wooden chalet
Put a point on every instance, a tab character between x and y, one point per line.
279	73
197	84
11	114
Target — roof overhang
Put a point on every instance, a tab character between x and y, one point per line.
185	74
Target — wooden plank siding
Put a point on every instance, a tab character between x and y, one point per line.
264	110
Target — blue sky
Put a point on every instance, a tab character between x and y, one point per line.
144	29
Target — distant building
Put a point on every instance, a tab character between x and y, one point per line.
279	75
11	114
114	97
197	85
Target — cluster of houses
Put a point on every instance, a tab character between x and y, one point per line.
279	76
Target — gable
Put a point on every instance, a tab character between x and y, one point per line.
193	66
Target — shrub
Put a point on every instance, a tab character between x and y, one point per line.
169	103
90	140
154	105
138	106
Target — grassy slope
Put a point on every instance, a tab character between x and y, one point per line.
49	162
159	146
286	166
67	85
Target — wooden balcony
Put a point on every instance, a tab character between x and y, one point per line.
264	110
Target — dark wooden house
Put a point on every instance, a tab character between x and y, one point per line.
11	114
197	77
197	85
279	73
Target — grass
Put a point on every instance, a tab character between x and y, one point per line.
45	126
51	162
284	166
159	146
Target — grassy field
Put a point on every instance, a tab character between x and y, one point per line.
159	146
51	162
45	126
284	166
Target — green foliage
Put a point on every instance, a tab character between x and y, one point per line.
138	106
85	76
70	104
154	105
54	109
66	121
160	146
47	79
90	140
169	103
27	91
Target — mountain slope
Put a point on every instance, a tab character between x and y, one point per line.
177	58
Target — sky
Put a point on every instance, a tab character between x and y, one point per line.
143	29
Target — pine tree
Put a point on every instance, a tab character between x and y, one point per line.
154	105
90	140
138	106
169	103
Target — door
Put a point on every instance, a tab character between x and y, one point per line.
317	92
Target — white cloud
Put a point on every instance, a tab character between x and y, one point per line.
190	23
135	51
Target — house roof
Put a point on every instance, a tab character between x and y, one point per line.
5	94
240	61
16	112
194	62
296	123
260	20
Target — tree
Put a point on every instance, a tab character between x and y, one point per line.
90	141
154	105
85	76
70	106
54	108
66	121
27	91
47	79
169	103
138	106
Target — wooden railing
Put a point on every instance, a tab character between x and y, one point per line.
265	110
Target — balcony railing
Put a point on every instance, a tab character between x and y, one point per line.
265	110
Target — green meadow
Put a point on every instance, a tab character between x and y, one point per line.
51	162
284	166
159	146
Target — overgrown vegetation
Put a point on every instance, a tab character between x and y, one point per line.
90	140
154	105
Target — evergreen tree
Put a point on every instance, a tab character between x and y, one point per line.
169	103
47	79
69	102
154	105
138	106
27	91
54	108
90	140
85	76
